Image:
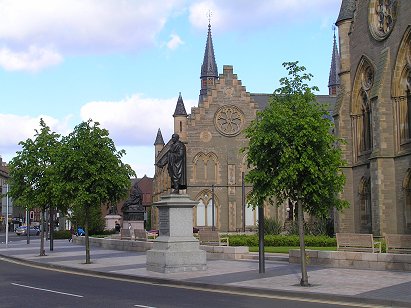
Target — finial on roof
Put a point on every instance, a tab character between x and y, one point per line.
209	14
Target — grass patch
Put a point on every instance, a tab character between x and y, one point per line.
285	249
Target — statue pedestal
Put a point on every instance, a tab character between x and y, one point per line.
176	250
111	221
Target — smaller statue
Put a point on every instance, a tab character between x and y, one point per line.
112	209
133	207
175	159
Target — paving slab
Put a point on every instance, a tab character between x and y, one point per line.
390	288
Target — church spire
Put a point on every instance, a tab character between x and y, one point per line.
334	78
209	71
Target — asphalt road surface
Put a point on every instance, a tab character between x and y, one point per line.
28	286
13	237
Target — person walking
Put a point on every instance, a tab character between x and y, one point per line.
71	234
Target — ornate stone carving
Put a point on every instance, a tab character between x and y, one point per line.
367	78
229	120
381	18
205	136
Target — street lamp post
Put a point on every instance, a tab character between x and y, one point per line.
7	215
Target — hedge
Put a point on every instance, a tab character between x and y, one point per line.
282	240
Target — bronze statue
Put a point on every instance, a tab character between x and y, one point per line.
133	207
175	158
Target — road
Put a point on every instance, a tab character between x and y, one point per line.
14	238
22	285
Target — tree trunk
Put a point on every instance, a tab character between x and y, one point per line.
42	251
304	278
86	236
51	228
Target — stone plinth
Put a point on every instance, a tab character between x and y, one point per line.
176	250
111	221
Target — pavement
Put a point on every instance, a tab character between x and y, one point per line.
349	287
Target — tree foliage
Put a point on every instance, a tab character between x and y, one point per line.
293	153
33	178
92	171
80	172
291	150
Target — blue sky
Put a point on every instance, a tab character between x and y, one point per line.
123	62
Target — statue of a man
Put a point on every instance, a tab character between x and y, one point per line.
175	158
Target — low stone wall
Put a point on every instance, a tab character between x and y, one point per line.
115	244
357	260
213	252
225	252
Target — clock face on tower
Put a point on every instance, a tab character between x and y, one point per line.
381	18
229	120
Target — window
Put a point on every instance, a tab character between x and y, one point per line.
361	117
250	216
365	206
204	210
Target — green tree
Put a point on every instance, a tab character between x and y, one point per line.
96	221
33	179
92	171
293	154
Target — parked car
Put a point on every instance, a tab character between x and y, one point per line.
23	230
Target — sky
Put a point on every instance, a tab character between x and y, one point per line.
123	63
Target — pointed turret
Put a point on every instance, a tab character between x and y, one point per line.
334	78
159	138
158	146
159	143
209	71
180	108
180	119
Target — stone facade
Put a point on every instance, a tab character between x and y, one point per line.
213	134
373	115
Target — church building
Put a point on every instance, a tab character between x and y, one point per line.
213	134
373	115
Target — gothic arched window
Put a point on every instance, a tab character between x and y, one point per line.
401	88
361	116
365	206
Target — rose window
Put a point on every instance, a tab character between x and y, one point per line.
229	120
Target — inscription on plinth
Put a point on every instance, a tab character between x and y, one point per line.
164	221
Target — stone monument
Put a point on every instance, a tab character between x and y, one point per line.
112	218
176	250
133	210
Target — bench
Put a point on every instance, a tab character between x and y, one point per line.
140	235
125	234
398	243
209	237
143	235
357	242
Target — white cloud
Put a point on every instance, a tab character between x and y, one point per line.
242	15
34	59
83	25
134	120
15	128
174	42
